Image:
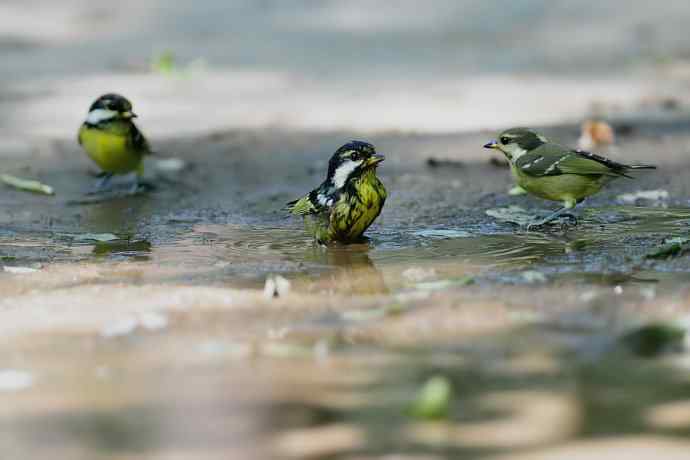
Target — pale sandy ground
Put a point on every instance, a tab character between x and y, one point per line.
175	353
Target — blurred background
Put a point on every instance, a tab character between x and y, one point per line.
198	66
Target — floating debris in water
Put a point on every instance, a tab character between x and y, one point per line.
276	286
100	237
151	321
657	338
27	185
19	270
14	380
511	214
417	274
442	233
656	198
221	348
445	284
120	328
433	399
533	277
672	247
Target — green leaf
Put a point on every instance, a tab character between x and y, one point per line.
433	399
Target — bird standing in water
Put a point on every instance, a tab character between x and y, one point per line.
349	200
553	172
112	140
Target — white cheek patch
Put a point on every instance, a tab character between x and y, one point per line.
343	172
98	115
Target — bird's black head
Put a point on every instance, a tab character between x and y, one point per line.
110	107
112	101
515	141
350	160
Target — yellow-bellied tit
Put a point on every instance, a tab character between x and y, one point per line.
112	140
553	172
349	200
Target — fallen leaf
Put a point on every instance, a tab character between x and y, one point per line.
433	399
19	270
27	185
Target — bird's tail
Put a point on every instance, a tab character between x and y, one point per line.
641	167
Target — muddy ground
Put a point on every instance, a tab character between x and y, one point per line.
162	343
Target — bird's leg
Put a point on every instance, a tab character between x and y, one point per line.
101	183
567	205
136	184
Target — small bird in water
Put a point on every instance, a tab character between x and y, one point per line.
112	140
349	200
553	172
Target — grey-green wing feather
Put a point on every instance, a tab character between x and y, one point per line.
554	160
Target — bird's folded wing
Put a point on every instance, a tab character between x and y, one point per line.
553	160
316	202
138	142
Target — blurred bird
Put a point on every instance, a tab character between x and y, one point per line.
554	172
112	140
349	200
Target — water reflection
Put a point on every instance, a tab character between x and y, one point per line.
350	270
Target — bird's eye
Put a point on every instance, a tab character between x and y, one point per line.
505	140
354	156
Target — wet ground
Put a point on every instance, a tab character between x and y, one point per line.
159	341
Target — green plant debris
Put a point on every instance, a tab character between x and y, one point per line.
656	338
164	63
167	64
27	185
433	400
672	247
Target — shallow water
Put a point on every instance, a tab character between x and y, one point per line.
158	342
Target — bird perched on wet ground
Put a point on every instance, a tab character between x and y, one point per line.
112	140
349	200
553	172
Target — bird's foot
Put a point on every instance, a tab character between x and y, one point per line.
140	187
101	185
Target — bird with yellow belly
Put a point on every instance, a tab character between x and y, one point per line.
112	140
343	207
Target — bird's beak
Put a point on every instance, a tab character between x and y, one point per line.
375	159
491	145
128	115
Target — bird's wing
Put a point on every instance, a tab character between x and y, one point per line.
554	160
137	141
81	128
316	202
